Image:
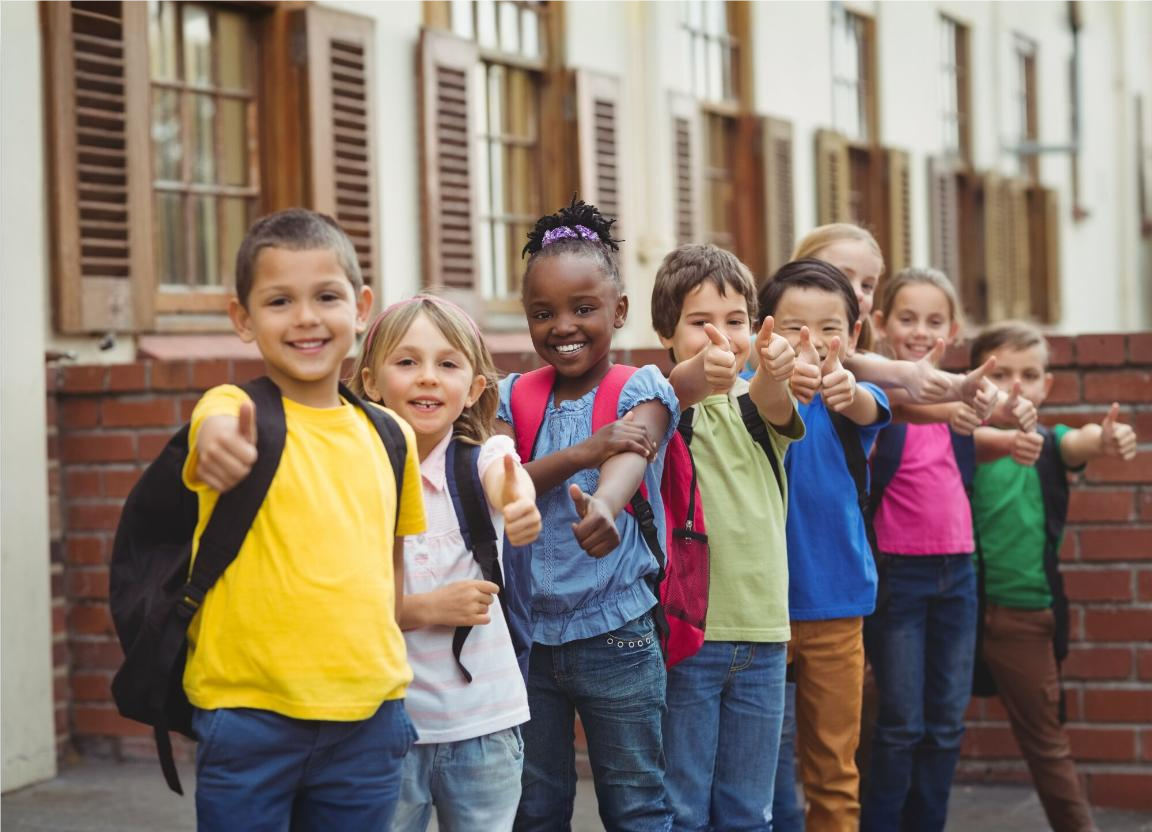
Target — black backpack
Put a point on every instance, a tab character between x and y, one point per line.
152	595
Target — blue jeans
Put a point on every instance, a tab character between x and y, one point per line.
258	770
722	735
616	683
787	808
921	646
472	784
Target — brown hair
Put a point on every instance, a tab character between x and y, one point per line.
912	276
689	266
1016	335
475	423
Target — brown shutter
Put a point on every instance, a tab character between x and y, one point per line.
780	216
98	111
997	248
1044	227
943	215
341	153
899	187
832	178
1019	275
598	141
446	140
687	173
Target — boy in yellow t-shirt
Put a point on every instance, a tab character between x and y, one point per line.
296	665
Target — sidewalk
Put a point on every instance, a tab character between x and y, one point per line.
96	795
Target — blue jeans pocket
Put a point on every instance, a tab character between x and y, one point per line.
638	634
206	725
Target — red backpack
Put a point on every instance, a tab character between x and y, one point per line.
682	582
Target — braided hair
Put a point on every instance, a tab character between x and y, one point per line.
580	229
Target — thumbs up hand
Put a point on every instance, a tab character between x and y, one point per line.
720	367
963	419
1022	410
837	384
518	505
596	532
806	376
777	358
226	448
1117	438
928	384
1026	447
978	391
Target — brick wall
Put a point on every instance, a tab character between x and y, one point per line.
106	423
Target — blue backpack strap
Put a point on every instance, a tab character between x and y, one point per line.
964	449
754	423
885	460
471	506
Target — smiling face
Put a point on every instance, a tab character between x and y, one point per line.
426	380
920	314
727	312
822	312
303	313
860	264
573	310
1026	366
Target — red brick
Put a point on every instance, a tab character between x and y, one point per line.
119	481
1113	470
1144	584
247	369
1116	544
1118	386
156	412
1085	662
151	444
59	620
1101	350
96	654
1141	422
975	710
210	373
1121	790
1101	505
994	710
97	447
1140	348
1144	664
83	379
60	720
1118	625
1065	388
187	405
103	720
128	378
1106	744
1118	705
85	550
1073	703
82	482
1061	350
1069	549
93	516
92	685
51	410
1098	585
87	583
1146	505
986	741
61	654
54	479
91	620
78	412
171	375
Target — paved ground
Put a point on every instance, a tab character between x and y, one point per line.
133	798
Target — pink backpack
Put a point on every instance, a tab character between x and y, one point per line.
682	582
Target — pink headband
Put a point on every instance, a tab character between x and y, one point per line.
434	299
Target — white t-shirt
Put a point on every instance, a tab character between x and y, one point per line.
442	704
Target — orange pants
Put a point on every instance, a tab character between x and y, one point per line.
828	664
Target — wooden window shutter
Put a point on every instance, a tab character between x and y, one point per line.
997	248
1019	276
447	63
832	178
945	246
100	156
598	141
341	153
898	250
779	176
687	169
1044	227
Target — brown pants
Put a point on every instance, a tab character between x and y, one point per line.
1018	652
828	663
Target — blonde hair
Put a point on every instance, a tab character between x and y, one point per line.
918	275
823	236
475	423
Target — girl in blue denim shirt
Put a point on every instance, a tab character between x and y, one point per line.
595	650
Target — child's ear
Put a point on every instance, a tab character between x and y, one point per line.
479	385
368	379
621	312
363	307
878	321
241	320
953	331
1048	381
850	347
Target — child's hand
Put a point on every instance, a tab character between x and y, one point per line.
1026	447
521	517
777	358
619	437
837	384
1022	410
806	373
928	384
226	448
964	420
1117	438
979	392
463	603
720	368
596	532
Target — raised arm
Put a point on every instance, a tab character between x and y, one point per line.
769	386
1109	438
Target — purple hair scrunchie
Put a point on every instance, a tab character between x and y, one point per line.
575	232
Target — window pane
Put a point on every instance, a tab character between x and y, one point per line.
522	178
169	239
717	18
495	100
519	105
715	71
197	46
509	28
233	49
486	23
205	242
203	139
462	18
167	146
234	141
162	39
530	34
235	218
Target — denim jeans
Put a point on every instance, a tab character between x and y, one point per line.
722	735
921	647
787	808
472	784
257	770
615	682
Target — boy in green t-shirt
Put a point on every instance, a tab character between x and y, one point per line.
1019	513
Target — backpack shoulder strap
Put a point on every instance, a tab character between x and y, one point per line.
964	449
393	438
606	403
885	461
528	400
754	423
1054	492
849	436
685	424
